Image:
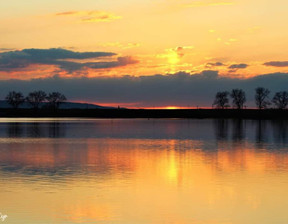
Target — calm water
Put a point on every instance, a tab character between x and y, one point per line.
144	171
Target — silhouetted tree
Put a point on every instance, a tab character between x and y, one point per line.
221	100
15	99
36	98
261	97
239	98
280	99
55	99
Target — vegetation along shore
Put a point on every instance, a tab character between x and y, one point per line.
48	105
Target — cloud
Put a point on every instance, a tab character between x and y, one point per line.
173	55
238	66
121	45
277	63
67	13
180	89
14	60
7	49
180	50
205	3
214	64
121	61
91	16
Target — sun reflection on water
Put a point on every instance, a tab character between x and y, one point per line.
144	180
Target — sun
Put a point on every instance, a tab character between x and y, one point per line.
171	107
173	58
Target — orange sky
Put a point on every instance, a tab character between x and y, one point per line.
237	38
163	36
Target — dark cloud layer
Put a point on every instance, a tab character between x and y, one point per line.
73	66
277	63
238	66
179	89
12	60
215	64
6	49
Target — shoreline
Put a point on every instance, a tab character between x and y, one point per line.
147	113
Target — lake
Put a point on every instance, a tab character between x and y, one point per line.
140	171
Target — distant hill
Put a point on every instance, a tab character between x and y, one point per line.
66	105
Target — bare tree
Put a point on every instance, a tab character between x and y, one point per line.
221	100
280	99
36	98
55	99
239	98
15	99
262	97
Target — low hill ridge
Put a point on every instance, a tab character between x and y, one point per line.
65	105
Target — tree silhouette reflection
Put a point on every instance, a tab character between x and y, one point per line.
280	131
238	133
15	130
221	129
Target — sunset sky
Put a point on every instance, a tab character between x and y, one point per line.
143	53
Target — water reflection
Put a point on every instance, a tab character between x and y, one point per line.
34	130
261	132
234	130
238	130
120	178
56	130
14	130
221	129
168	171
280	129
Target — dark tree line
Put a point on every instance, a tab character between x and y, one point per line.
35	98
239	98
222	99
262	100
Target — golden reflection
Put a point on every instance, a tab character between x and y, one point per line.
141	180
132	154
172	167
82	213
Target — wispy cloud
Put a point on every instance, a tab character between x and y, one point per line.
7	49
121	45
238	66
91	16
206	3
177	51
214	64
277	63
67	13
235	67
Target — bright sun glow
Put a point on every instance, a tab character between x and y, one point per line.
173	58
172	107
